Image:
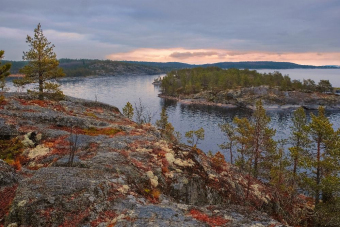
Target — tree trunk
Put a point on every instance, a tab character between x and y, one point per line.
318	174
41	88
231	153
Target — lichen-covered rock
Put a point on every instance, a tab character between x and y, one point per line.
272	98
8	176
8	185
123	174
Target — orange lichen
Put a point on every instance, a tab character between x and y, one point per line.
218	161
155	194
212	220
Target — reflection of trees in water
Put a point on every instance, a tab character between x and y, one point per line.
214	112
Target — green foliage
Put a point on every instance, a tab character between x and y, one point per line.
229	131
322	162
166	128
191	81
195	136
325	86
4	70
256	144
299	139
92	131
10	149
43	64
128	110
279	174
161	123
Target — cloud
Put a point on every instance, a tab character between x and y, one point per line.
202	56
185	55
191	29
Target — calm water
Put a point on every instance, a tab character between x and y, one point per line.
119	90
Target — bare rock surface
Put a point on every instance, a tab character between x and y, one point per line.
272	98
123	174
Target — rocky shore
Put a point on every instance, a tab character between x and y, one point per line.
123	174
272	98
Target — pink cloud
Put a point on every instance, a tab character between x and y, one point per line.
202	56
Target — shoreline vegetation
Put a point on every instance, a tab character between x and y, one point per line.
242	88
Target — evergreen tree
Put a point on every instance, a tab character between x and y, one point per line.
322	162
43	64
161	123
263	141
4	70
257	141
128	110
299	139
325	86
195	136
229	131
245	132
166	128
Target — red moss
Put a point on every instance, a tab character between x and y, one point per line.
6	197
139	165
210	220
75	218
105	216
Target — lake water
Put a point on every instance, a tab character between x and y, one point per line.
118	90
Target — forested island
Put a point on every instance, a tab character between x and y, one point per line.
241	87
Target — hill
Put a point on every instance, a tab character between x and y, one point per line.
86	67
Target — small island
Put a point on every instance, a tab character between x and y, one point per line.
241	88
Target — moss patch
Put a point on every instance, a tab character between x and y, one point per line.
92	131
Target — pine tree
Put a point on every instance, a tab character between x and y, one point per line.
321	162
161	123
4	71
299	139
43	64
244	131
263	137
257	140
128	110
229	131
166	128
195	136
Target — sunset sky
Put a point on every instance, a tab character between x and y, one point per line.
190	31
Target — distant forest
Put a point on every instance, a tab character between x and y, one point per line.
191	81
89	67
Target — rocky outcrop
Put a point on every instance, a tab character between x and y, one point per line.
8	185
123	174
272	98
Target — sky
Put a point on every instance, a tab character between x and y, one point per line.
190	31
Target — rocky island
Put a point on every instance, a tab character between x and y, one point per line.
82	163
242	88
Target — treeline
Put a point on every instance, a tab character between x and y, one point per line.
191	81
308	161
93	67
